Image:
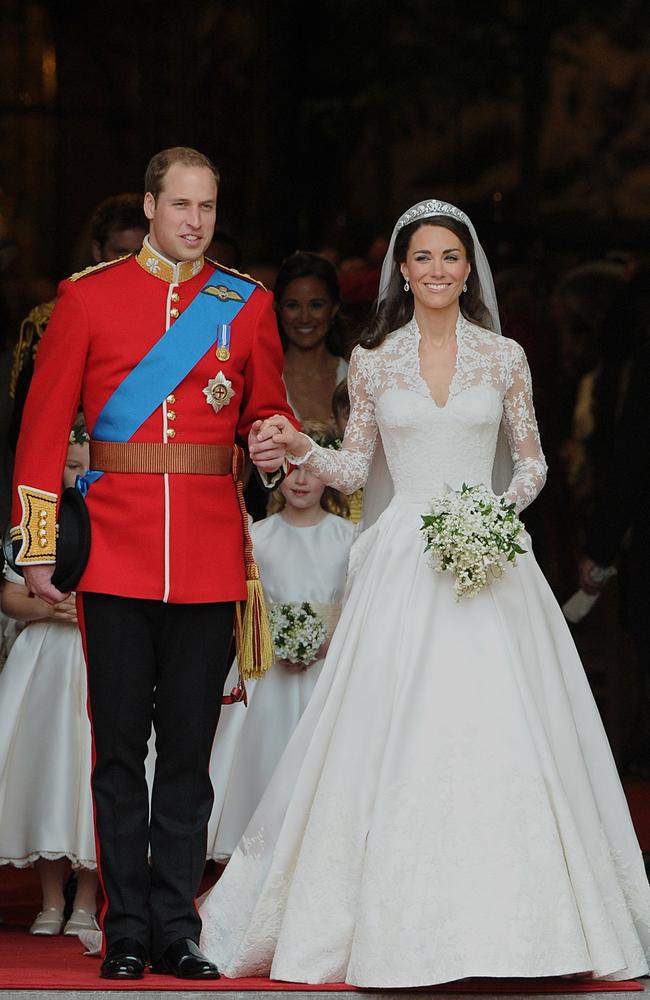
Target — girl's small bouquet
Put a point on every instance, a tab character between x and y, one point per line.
474	534
297	632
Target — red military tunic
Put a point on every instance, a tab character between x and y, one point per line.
165	537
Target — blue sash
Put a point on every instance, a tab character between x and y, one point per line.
171	358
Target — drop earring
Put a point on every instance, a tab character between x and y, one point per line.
407	287
465	287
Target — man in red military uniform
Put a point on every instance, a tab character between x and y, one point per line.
173	358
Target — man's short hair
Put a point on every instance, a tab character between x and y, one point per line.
120	211
161	162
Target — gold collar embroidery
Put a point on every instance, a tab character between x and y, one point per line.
155	263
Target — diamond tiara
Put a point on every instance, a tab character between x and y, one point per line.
426	208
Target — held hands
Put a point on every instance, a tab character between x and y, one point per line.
271	440
66	611
39	582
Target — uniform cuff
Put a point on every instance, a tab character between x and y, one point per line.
37	529
271	480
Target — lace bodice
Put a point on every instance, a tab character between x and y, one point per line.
428	446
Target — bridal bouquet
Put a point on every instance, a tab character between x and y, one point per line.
297	632
474	534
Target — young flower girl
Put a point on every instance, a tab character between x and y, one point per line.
45	745
302	552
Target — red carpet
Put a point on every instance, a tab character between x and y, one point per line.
31	963
37	963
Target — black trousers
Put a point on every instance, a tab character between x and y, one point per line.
150	662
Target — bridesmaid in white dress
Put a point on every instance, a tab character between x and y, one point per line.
448	805
302	551
46	813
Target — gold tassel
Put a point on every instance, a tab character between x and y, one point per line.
253	642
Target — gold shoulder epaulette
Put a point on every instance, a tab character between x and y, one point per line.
41	315
94	268
239	274
31	331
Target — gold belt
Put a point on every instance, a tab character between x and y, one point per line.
154	457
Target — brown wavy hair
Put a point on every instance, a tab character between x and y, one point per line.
305	264
397	308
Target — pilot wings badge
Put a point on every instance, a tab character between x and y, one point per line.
222	292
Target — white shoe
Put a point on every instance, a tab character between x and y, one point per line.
80	920
49	921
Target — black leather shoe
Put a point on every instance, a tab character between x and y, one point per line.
125	959
185	960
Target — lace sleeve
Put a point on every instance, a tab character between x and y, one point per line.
347	469
529	464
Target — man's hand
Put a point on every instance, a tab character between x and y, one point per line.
282	434
39	581
267	455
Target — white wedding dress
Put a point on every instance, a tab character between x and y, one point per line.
448	805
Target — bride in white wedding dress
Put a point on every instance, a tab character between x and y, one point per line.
448	806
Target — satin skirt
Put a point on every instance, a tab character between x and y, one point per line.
448	805
45	749
248	745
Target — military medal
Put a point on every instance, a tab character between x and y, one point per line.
218	392
223	342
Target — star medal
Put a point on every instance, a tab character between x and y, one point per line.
218	392
223	341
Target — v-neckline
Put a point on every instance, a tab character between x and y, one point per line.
425	384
